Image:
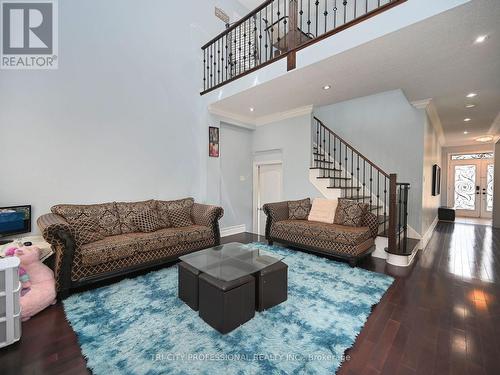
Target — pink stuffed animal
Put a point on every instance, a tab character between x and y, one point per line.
40	288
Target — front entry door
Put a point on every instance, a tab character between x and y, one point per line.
472	187
269	190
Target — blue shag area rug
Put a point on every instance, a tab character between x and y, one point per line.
139	326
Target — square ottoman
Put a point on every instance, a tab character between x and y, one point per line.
225	305
188	285
271	286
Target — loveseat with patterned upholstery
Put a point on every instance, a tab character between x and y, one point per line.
349	238
99	241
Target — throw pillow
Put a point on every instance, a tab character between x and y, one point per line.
299	210
147	221
350	213
323	210
87	230
180	217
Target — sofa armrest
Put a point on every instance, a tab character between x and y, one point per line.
208	215
275	212
56	231
371	221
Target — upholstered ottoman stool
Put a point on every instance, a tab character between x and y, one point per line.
271	286
225	305
188	285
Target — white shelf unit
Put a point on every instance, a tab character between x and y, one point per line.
10	306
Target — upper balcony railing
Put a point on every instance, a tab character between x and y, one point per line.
280	28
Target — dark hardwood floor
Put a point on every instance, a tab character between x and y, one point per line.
441	316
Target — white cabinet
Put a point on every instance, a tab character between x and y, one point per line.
10	307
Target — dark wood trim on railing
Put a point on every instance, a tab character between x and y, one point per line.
352	148
291	46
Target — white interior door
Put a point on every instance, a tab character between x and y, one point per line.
472	187
269	190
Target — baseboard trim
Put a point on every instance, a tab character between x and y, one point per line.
402	260
235	229
427	235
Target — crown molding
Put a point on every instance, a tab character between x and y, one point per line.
252	123
232	118
422	104
280	116
433	115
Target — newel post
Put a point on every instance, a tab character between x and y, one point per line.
393	209
291	60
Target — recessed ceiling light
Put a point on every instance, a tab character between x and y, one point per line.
467	119
466	132
481	38
470	106
485	138
471	95
252	109
327	87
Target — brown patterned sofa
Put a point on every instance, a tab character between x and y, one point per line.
99	241
342	241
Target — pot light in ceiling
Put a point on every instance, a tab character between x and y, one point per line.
470	106
472	95
252	109
466	132
485	138
481	39
467	119
327	87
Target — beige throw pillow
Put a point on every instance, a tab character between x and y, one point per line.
323	210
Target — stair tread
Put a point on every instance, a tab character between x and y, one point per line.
335	178
326	169
323	161
356	198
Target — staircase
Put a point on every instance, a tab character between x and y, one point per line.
354	176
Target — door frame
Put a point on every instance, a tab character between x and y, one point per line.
256	165
450	188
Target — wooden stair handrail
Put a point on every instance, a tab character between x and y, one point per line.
352	148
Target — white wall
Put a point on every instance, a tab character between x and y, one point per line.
236	177
289	140
388	130
446	152
122	118
432	155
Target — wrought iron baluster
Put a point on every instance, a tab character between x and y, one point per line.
309	17
364	179
352	172
345	11
204	69
357	177
335	9
371	186
317	16
385	203
325	13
